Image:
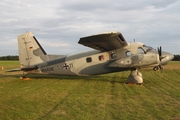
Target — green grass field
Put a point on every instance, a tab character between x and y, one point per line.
103	97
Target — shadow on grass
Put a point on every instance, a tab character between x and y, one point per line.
113	80
61	101
102	78
43	76
98	78
178	72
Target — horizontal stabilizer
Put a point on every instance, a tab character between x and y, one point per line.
22	69
14	70
29	68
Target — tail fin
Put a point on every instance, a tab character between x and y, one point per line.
30	51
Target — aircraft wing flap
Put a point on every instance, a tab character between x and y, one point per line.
105	41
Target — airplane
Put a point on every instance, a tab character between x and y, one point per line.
112	53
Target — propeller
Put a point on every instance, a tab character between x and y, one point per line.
159	49
160	57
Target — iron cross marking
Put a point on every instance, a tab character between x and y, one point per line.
66	66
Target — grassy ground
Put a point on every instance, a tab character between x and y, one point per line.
90	98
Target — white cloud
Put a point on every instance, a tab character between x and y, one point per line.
152	22
53	44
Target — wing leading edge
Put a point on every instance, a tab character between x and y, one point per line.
104	42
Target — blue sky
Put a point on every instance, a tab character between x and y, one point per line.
59	24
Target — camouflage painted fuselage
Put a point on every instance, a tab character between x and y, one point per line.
106	58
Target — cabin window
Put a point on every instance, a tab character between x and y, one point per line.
101	58
128	53
113	55
141	51
89	59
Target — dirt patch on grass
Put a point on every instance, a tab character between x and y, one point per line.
172	67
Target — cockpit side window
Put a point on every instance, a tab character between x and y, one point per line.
141	51
128	53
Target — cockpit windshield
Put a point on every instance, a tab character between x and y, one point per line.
147	48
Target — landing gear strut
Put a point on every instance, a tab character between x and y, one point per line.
24	77
135	77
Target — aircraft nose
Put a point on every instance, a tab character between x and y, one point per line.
168	57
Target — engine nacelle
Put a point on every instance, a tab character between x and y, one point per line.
136	61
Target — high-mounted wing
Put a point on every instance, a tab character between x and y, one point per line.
105	41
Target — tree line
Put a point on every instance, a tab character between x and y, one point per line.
15	57
176	58
9	57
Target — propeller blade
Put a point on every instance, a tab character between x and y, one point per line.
160	53
159	49
161	68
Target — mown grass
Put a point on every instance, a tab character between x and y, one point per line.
90	98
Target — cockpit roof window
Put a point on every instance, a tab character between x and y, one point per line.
147	48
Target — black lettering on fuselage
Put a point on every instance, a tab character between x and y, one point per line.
57	67
48	69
